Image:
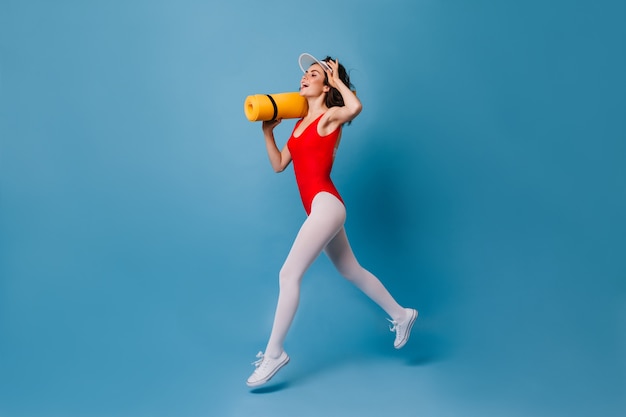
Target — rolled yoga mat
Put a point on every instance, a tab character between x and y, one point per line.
261	107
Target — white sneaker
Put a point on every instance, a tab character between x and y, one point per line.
266	368
403	328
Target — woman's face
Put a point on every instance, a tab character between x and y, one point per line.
312	82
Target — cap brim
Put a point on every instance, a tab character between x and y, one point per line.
306	60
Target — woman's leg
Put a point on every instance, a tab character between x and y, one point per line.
340	253
326	219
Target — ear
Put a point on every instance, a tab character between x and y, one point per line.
326	88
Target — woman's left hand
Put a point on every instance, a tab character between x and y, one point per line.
333	74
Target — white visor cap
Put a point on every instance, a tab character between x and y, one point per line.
306	60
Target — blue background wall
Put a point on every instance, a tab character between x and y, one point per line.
142	229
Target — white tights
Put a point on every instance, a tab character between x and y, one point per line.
322	231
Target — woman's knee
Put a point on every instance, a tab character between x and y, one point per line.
351	272
288	277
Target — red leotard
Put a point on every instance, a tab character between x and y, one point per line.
313	157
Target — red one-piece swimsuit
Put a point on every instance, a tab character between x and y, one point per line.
313	157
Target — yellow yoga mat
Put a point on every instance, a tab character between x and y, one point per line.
261	107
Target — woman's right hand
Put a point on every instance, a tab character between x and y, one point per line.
269	125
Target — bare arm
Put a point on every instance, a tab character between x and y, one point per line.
278	159
337	116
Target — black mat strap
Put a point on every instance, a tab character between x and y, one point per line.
275	106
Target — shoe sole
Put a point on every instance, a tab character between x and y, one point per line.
266	380
409	327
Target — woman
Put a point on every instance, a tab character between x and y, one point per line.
312	145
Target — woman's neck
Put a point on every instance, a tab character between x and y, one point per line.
317	105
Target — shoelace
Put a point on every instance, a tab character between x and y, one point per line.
259	361
394	326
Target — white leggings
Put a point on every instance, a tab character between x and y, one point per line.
322	231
